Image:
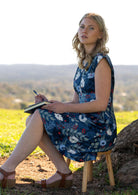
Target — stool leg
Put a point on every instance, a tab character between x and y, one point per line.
90	170
85	177
110	169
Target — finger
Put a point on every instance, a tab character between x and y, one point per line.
43	97
44	107
52	101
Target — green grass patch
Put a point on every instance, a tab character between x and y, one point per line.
125	118
12	125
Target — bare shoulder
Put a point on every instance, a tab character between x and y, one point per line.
103	66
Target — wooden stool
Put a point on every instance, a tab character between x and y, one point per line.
88	166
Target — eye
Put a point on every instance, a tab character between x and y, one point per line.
82	26
91	28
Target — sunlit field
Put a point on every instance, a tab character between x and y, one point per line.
12	124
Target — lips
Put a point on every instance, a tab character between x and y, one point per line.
84	37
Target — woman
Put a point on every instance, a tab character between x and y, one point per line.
80	128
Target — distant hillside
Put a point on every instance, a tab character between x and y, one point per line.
13	73
17	82
32	72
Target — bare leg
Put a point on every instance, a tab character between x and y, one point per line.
32	137
58	160
47	146
29	140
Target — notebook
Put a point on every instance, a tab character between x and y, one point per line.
30	109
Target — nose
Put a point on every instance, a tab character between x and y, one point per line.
84	30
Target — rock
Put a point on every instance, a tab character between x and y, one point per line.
124	149
127	137
125	156
128	174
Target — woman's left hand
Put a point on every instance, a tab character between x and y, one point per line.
40	98
55	106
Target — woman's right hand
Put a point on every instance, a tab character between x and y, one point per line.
40	98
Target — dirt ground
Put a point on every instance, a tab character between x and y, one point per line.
39	167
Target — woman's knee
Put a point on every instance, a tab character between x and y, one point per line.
34	116
37	116
28	119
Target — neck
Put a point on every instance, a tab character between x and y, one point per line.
89	48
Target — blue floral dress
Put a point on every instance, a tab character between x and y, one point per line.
80	136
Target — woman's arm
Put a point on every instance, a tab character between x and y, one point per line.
60	107
102	91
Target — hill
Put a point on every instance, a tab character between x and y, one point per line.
23	72
14	73
17	82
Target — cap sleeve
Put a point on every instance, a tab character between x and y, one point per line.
98	58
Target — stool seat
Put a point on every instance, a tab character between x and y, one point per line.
88	167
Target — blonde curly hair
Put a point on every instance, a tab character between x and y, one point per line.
100	45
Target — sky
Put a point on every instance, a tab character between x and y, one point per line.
41	31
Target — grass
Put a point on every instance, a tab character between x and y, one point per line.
12	125
125	118
14	192
126	192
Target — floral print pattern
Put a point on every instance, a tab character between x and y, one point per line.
79	136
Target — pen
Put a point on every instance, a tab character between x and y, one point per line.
35	92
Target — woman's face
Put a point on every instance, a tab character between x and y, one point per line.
88	32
